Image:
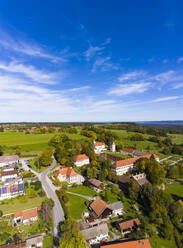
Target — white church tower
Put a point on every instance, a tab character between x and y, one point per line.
113	147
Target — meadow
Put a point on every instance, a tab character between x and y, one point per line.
28	143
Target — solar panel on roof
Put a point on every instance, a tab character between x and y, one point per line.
4	190
20	187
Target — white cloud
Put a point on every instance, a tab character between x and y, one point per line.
31	72
180	59
167	98
131	88
178	86
134	75
29	48
92	51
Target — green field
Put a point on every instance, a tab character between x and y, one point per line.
15	204
157	242
76	206
175	188
176	138
28	143
83	190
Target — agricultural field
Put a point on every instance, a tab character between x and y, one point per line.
28	143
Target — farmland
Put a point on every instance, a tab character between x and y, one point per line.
28	143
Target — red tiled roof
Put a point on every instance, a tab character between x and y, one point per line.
98	206
143	243
27	214
180	201
80	157
129	223
8	173
4	159
129	161
99	144
127	150
66	171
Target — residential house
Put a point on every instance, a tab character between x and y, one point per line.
95	233
140	179
142	243
132	152
127	151
128	226
67	174
123	166
12	189
14	244
96	184
98	147
8	175
12	159
100	208
117	208
36	241
9	167
26	216
80	160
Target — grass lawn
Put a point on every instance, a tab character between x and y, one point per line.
16	204
76	206
83	190
129	211
111	197
119	154
157	242
175	188
48	242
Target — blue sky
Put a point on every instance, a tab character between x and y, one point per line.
98	60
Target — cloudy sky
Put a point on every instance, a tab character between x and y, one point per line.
82	60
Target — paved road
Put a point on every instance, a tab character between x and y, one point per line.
164	159
176	162
83	196
49	188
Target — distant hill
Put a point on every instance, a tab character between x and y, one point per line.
161	122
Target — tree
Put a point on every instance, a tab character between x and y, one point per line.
71	236
1	213
106	198
133	189
46	159
1	151
46	210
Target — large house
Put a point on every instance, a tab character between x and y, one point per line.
4	160
8	175
12	189
9	167
132	152
98	147
129	225
142	243
67	174
80	160
100	208
26	216
95	233
123	166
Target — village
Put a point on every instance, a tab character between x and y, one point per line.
102	223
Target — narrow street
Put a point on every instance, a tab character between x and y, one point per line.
58	214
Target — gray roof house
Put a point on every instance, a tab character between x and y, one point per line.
116	207
95	234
